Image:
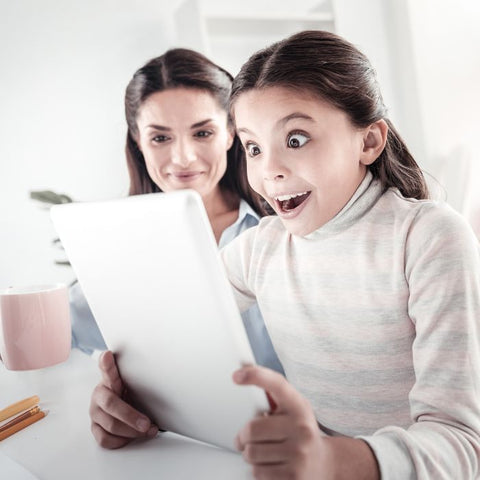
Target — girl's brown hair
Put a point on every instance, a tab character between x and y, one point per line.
327	66
182	68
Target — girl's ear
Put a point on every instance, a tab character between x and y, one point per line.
374	140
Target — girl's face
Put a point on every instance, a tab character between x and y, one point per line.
184	138
303	155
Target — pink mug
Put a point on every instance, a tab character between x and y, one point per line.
35	327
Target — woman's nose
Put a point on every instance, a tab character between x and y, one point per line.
183	154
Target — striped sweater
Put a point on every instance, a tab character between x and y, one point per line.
375	317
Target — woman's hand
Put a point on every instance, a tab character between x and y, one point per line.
114	422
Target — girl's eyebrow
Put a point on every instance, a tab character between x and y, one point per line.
243	130
293	116
283	121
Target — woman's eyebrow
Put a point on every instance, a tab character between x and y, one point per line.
168	129
159	127
201	123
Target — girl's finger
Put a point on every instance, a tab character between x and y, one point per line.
266	453
284	396
273	428
273	472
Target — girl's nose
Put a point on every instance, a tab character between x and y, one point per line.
273	167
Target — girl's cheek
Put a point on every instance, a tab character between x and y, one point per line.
254	184
252	175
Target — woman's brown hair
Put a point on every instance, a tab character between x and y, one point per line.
182	68
329	67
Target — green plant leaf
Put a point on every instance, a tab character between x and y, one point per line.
50	197
62	262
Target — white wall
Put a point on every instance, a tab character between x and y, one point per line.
229	32
446	36
446	39
427	56
65	65
381	30
64	69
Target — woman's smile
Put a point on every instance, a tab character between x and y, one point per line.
184	137
187	176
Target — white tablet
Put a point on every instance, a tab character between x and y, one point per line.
151	273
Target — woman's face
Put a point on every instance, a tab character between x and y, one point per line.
184	137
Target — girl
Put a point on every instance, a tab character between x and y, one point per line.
370	291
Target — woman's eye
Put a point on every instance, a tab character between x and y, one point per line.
159	139
297	140
203	134
252	149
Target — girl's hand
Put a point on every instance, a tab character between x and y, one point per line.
114	422
287	443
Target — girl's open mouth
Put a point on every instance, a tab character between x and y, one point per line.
289	202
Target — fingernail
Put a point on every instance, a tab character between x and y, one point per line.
100	358
152	431
142	425
239	375
238	445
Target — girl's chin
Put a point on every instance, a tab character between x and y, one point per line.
298	227
297	230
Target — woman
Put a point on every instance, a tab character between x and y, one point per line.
180	136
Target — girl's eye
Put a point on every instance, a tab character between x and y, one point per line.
297	140
252	149
203	133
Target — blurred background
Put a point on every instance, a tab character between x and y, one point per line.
65	65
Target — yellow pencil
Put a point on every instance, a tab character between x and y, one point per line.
18	407
20	425
19	418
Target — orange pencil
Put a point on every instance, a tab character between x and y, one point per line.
19	418
21	425
18	407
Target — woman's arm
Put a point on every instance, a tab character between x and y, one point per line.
86	335
114	422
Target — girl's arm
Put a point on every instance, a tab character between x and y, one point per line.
287	443
442	268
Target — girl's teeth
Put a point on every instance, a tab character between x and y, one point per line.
290	202
282	198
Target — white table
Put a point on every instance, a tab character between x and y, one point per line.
61	446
